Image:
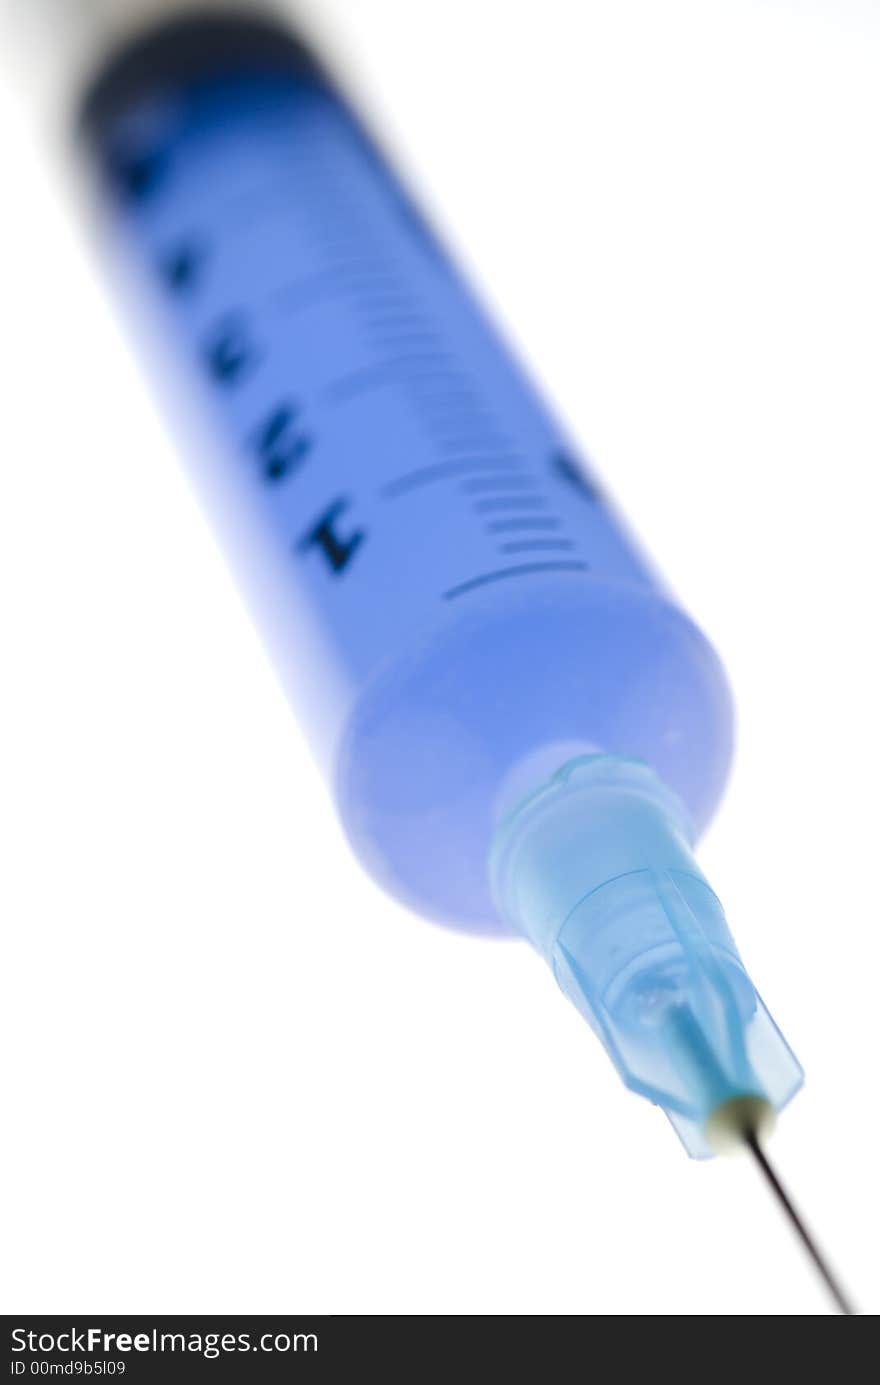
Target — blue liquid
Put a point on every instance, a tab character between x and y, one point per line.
451	603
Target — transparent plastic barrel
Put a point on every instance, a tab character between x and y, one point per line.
453	606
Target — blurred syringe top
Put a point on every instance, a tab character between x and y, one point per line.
55	47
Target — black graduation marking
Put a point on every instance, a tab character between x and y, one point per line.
281	444
337	551
230	353
138	175
182	265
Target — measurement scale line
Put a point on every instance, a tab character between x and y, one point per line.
539	546
510	502
455	393
380	376
478	439
515	526
442	398
498	483
503	574
443	471
376	319
441	406
383	300
341	278
244	213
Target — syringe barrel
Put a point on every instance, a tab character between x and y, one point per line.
452	603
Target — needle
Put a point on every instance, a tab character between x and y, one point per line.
841	1301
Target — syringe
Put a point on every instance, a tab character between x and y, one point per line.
524	733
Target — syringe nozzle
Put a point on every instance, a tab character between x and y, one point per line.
597	869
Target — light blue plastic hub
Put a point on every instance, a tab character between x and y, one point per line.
597	870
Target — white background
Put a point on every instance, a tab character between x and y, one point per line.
237	1078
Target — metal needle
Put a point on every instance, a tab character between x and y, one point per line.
843	1304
